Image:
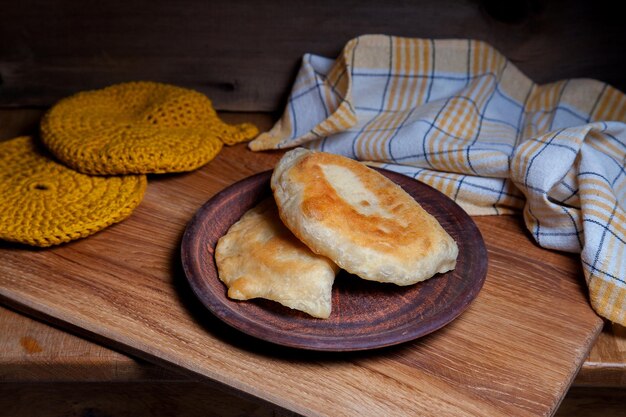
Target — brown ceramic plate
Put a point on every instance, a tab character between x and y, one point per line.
365	314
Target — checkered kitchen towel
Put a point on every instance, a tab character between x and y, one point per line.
458	116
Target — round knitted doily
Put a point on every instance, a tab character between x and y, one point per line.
44	203
138	128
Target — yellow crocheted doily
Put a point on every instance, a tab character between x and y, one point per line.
44	203
138	128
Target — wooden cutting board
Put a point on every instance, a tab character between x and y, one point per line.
514	352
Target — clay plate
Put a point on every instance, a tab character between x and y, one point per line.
365	315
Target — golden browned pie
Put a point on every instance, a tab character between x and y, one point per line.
362	221
260	257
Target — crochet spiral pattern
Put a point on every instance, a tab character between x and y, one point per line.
44	203
138	128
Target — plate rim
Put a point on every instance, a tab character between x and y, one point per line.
357	343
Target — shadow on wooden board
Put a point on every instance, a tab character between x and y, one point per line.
244	54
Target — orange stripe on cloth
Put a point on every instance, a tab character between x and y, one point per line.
619	113
425	52
383	125
600	188
332	102
525	152
605	103
604	144
440	182
410	60
363	141
476	47
619	218
602	291
404	64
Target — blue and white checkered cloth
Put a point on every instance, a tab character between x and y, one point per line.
457	115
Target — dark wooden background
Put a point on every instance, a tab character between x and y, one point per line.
244	53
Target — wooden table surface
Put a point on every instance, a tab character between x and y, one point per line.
514	352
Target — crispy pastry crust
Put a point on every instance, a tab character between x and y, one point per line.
358	218
260	257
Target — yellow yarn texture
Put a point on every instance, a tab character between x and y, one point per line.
44	203
138	128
